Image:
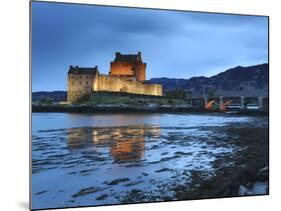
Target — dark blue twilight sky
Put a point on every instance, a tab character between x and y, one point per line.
173	44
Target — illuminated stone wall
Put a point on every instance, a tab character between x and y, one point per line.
79	85
116	84
140	72
137	70
121	69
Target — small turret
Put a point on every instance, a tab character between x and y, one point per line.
117	54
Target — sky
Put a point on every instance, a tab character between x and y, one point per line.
174	44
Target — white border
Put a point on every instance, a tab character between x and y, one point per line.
14	48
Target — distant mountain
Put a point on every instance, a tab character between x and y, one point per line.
237	81
55	96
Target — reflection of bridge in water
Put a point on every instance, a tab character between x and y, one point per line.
231	103
124	143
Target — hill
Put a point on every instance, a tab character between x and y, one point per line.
247	81
55	96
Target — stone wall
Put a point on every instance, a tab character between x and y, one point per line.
79	85
140	72
115	84
127	69
121	68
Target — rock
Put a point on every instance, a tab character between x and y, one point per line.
166	106
264	169
102	197
263	173
117	181
111	106
152	106
162	170
242	190
183	106
260	188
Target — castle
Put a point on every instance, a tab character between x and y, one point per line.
127	74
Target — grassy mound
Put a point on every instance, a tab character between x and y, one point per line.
116	98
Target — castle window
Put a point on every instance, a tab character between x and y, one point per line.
80	82
80	76
87	82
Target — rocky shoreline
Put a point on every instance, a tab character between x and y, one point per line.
250	168
248	174
144	109
112	108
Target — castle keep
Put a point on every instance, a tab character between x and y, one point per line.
127	74
129	66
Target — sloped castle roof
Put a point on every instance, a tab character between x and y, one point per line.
83	70
130	58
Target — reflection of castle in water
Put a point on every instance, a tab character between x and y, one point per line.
125	143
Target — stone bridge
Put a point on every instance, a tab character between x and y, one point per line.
231	103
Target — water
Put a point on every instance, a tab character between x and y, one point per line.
94	159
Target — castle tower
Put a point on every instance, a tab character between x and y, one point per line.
128	66
80	82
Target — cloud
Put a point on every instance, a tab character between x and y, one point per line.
174	44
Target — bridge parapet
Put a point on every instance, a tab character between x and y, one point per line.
240	102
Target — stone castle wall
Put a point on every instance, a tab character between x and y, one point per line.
121	68
140	73
78	85
127	69
115	84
